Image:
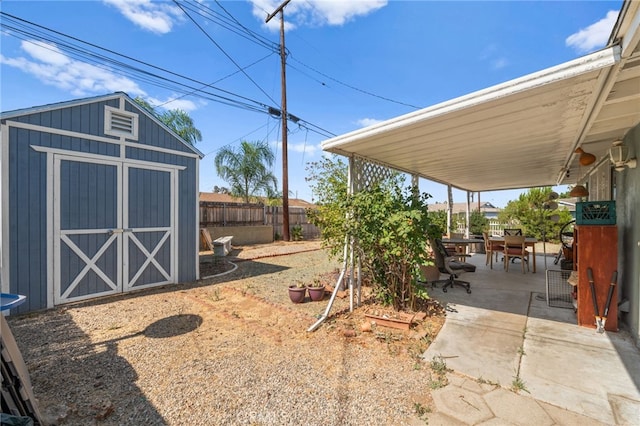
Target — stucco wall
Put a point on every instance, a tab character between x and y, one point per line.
628	219
244	235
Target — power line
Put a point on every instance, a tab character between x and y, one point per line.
241	138
272	46
223	51
218	80
353	87
28	31
118	63
232	24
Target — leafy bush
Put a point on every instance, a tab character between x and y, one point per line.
478	223
529	214
390	227
296	233
328	181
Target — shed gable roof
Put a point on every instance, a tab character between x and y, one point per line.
131	105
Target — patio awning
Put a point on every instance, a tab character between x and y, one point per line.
519	134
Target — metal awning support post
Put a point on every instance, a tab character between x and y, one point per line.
351	274
468	230
336	289
361	175
347	257
449	210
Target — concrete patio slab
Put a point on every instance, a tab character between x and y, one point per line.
562	416
509	406
461	404
582	371
504	329
479	346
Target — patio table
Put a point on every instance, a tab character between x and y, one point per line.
528	241
462	242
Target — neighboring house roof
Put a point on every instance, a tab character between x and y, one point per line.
519	134
5	115
213	197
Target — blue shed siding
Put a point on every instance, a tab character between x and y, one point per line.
27	221
87	191
149	198
85	118
27	215
187	223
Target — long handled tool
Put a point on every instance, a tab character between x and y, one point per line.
612	285
596	311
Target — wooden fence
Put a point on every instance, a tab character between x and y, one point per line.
231	214
238	214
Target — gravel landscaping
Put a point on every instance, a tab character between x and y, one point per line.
231	349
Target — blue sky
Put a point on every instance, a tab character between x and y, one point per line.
351	63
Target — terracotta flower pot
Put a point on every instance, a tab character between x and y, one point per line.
316	293
297	294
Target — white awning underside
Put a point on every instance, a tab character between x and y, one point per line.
519	134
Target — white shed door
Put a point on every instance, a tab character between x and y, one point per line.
114	227
149	227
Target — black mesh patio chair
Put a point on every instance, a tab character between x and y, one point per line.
449	264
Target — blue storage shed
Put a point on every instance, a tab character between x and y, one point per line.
98	197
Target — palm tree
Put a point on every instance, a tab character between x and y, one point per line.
176	119
182	124
246	169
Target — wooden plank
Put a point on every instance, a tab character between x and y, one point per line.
597	250
401	321
205	239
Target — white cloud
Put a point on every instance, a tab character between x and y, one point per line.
157	17
303	148
173	102
45	53
364	122
499	63
315	12
488	51
491	54
337	12
51	66
594	36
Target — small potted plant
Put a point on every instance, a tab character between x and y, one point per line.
297	292
316	290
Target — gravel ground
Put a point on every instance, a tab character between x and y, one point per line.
226	350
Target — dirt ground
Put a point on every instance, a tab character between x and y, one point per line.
199	353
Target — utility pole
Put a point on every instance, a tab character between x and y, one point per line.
285	154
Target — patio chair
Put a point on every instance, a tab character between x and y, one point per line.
448	264
457	250
510	231
490	248
514	246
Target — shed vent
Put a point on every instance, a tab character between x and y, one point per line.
121	123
